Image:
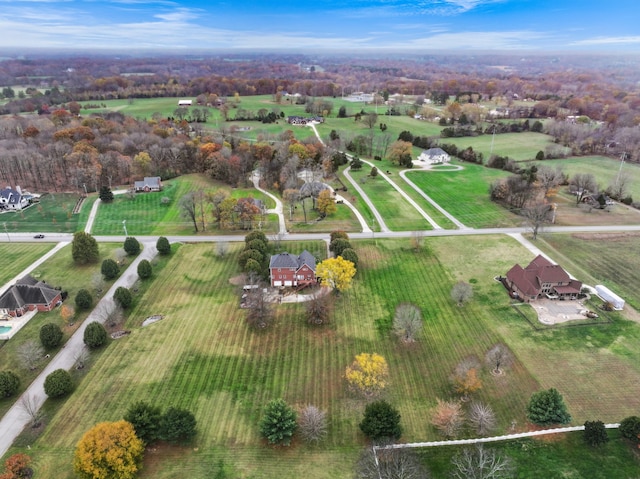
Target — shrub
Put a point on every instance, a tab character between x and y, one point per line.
131	246
145	419
350	255
381	421
177	425
84	248
547	407
106	195
95	335
338	245
163	246
50	335
58	384
595	434
144	269
84	300
109	269
123	297
630	427
278	423
9	384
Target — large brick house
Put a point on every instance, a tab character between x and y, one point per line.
286	269
542	278
29	294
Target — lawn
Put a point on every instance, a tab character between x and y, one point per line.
343	219
465	194
58	270
54	213
17	256
146	214
203	357
518	146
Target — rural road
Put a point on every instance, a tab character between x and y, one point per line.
15	420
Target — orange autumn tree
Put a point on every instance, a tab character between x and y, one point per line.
109	450
368	374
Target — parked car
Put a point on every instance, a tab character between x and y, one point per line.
39	236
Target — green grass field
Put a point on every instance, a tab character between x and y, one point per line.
465	194
203	357
54	213
518	146
17	256
145	214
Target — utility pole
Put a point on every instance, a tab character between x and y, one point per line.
6	231
124	226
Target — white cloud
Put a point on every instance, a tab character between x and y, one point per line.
179	15
607	41
510	40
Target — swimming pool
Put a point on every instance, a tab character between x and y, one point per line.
5	329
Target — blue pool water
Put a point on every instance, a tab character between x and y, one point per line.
5	329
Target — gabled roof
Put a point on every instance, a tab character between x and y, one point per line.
529	280
12	196
547	272
26	292
434	152
288	260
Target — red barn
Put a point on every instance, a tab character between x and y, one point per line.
286	269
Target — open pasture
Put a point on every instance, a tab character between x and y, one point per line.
518	146
465	194
203	357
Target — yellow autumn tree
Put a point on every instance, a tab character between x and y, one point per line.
109	450
467	382
326	204
336	273
67	313
368	374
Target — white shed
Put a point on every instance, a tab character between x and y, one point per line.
607	295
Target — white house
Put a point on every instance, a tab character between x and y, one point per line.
185	102
434	156
11	199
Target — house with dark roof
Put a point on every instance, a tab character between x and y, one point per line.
150	183
434	156
12	199
542	278
29	294
286	269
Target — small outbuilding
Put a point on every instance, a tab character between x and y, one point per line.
609	296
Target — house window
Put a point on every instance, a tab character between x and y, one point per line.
279	269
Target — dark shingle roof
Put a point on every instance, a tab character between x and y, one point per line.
288	260
25	292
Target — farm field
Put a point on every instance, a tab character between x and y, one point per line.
612	259
58	270
54	213
604	169
145	214
203	357
518	146
465	194
17	256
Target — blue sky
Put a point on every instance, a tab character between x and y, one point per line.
311	25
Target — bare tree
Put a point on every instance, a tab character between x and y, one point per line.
417	238
29	405
448	417
371	120
461	292
482	418
583	184
480	463
390	464
465	378
407	322
120	255
537	216
319	308
549	178
81	358
188	205
222	248
97	281
29	354
260	312
312	424
499	357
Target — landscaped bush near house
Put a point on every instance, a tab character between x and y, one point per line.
95	335
109	269
123	297
163	246
9	384
177	425
144	269
132	246
630	428
145	419
50	335
84	300
58	384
